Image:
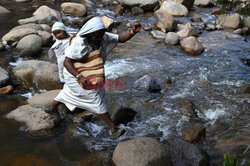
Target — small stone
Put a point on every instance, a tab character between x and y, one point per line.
158	34
215	11
174	8
172	39
196	19
210	27
73	9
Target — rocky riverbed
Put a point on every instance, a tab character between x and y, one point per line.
180	87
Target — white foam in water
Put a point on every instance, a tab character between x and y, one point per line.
19	60
237	83
95	129
102	11
27	95
214	114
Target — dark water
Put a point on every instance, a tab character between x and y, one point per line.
214	81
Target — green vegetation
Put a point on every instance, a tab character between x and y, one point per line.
234	161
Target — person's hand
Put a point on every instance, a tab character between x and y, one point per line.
136	27
83	82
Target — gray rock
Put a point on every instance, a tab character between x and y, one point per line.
158	34
187	108
22	1
16	35
187	31
192	46
137	11
30	45
34	118
46	37
29	26
4	77
164	21
238	31
48	19
147	83
172	39
46	27
38	74
73	9
210	27
188	3
174	8
184	153
146	5
231	21
123	115
3	10
43	10
203	3
142	151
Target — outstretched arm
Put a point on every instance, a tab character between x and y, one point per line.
125	37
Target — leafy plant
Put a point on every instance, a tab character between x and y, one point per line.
234	161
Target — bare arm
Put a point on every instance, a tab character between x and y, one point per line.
125	37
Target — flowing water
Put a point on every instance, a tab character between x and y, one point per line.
215	82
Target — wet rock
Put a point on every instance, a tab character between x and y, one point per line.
35	118
142	151
146	5
194	133
188	30
38	74
245	31
246	21
184	153
164	21
22	1
29	26
46	27
118	10
73	9
187	3
196	19
136	11
48	19
231	21
215	11
187	108
147	83
172	39
16	35
158	34
30	159
42	10
46	37
85	116
4	76
43	99
3	10
123	115
109	23
237	32
173	8
30	45
203	3
6	90
101	158
192	46
210	27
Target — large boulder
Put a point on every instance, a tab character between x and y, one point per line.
73	9
187	31
46	27
164	21
246	21
39	19
184	153
35	118
43	99
30	45
3	10
142	151
203	3
46	37
123	115
29	26
174	8
4	76
231	21
22	1
37	74
188	3
16	35
146	5
172	39
46	10
192	46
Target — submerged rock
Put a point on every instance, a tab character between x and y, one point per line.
3	10
142	151
146	5
30	45
172	39
173	8
192	46
194	133
203	3
4	77
123	115
147	83
73	9
38	74
184	153
42	10
34	118
164	21
232	21
158	34
39	19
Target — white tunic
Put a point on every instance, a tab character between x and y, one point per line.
72	94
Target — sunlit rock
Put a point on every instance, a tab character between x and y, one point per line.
164	21
3	10
173	8
158	34
187	30
73	9
141	151
203	3
39	19
232	21
146	5
192	46
187	3
46	10
46	37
